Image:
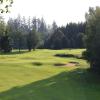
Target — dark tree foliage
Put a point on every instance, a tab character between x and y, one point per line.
92	38
22	34
70	36
32	40
29	43
5	44
57	40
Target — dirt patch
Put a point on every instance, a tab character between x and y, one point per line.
70	64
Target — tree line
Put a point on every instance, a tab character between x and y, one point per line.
69	36
21	33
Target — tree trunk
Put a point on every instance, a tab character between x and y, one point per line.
95	66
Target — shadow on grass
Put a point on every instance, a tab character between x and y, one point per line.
13	52
75	85
69	56
37	64
59	64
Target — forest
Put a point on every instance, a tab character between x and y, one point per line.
34	33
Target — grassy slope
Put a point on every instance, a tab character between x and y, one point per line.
34	76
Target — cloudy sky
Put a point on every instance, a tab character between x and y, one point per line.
62	11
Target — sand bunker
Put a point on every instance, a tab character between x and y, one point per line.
69	64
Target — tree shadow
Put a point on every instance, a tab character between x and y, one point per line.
59	64
78	84
37	63
14	52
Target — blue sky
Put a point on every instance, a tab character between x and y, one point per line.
62	11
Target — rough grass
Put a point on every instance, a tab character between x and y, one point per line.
34	76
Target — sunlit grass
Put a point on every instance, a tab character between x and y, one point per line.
34	76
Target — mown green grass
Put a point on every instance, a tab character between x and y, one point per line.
34	76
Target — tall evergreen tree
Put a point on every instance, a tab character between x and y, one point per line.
92	38
32	40
5	45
